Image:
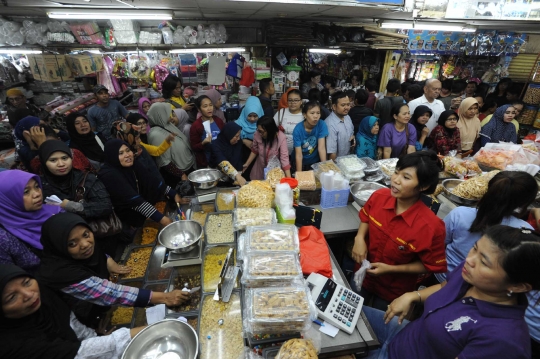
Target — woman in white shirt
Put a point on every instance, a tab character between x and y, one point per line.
287	119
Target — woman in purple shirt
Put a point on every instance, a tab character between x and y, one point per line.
477	313
399	137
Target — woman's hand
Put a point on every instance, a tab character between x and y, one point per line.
188	107
115	268
37	134
359	251
379	268
165	221
102	327
208	139
400	307
241	180
175	298
425	132
179	199
64	203
170	138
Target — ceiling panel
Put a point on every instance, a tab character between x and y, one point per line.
296	8
237	5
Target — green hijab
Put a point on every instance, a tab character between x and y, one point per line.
180	151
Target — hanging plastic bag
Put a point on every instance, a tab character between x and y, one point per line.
314	255
360	274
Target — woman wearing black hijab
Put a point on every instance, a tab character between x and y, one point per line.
419	119
134	188
445	137
84	139
44	326
74	265
227	152
61	179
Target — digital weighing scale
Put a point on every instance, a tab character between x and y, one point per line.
335	303
171	259
206	195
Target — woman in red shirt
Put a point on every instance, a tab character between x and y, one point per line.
399	234
445	137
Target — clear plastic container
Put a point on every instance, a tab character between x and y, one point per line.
244	217
277	310
325	166
261	269
277	237
199	211
220	328
226	199
371	165
219	228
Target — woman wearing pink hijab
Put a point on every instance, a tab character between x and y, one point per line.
215	97
144	106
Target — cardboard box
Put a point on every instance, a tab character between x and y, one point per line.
82	65
50	68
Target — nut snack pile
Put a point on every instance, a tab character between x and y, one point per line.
219	228
221	328
138	261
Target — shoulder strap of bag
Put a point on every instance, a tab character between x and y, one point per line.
100	143
174	103
281	113
80	190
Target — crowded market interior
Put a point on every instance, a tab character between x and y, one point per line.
269	179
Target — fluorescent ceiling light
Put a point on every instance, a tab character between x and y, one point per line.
20	51
426	26
326	51
111	14
131	52
209	49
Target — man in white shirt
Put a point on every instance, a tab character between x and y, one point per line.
429	99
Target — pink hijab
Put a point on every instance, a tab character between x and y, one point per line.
214	96
142	100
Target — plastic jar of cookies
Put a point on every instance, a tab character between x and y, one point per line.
293	183
532	95
528	115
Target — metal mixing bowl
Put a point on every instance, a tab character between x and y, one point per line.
358	188
205	178
181	236
169	338
449	185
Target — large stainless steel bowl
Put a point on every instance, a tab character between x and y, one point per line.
205	178
362	190
166	339
449	185
181	236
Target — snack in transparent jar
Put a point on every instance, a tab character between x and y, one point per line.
263	269
220	328
306	180
277	309
278	237
219	228
297	348
351	166
388	166
244	217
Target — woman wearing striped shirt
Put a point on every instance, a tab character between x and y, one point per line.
79	271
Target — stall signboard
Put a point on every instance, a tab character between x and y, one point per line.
493	9
483	42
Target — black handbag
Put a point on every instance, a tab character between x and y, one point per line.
101	227
308	216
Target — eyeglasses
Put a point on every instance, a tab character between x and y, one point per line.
295	101
452	119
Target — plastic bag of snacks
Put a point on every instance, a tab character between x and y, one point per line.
306	180
495	158
461	167
297	348
274	176
256	194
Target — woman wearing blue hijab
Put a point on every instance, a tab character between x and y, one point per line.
248	122
366	138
